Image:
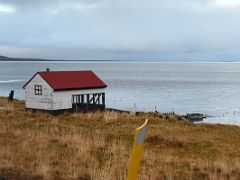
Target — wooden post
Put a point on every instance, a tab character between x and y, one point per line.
82	99
103	99
98	99
87	99
11	95
91	101
94	99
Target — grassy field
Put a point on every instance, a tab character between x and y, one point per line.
98	146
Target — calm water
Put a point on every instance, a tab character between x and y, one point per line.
209	88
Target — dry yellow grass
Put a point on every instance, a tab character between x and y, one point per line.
98	146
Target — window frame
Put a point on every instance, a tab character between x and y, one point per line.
38	90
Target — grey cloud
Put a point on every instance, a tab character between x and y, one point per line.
120	28
39	4
35	3
172	4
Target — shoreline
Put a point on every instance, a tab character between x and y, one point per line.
129	111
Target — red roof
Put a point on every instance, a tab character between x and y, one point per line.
70	80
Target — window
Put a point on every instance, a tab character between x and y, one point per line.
38	90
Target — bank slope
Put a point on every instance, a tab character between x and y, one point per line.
98	146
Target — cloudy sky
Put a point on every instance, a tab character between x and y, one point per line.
125	29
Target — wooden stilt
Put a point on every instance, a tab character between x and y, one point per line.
98	98
94	99
82	99
103	99
87	99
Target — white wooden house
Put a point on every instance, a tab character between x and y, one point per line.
65	90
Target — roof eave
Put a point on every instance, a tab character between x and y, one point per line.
29	80
70	89
34	77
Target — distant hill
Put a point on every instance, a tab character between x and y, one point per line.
3	57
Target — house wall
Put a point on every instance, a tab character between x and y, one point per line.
44	101
63	99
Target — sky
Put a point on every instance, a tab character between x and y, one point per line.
181	30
